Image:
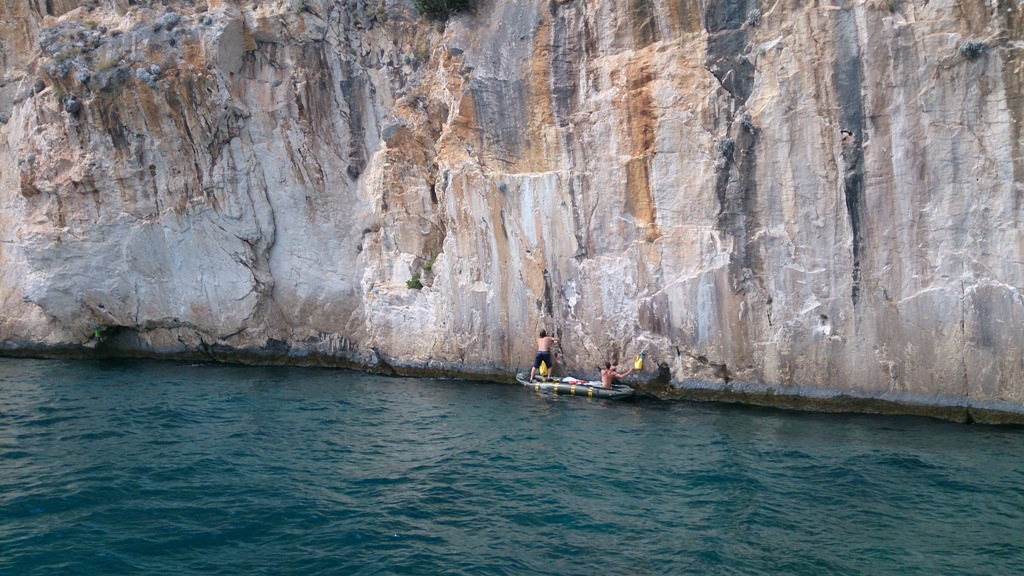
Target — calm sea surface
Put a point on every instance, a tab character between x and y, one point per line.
165	468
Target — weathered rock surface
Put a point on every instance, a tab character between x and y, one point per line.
806	202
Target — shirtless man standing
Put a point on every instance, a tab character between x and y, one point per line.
608	375
543	352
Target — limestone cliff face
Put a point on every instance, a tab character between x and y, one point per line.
783	197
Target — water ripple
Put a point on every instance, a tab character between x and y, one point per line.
162	468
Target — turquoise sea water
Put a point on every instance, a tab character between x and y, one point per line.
166	468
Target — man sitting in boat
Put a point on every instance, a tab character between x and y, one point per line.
608	375
543	353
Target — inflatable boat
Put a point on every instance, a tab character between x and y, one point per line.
575	387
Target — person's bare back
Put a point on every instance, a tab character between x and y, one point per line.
543	353
544	344
608	375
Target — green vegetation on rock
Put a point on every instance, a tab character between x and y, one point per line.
441	9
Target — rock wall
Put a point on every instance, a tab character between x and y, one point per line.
772	199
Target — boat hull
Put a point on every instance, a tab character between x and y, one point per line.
588	388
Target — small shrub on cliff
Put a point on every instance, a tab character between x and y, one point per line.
747	122
441	9
144	75
891	6
169	20
973	49
72	105
414	282
67	53
725	147
754	17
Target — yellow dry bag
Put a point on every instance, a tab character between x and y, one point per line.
543	368
639	363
